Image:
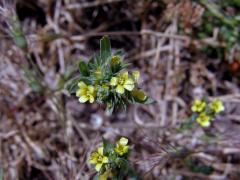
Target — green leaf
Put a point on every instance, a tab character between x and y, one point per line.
94	63
123	168
60	82
198	167
32	81
119	53
83	68
132	174
18	35
108	147
21	42
105	48
123	164
98	60
116	68
72	84
187	125
110	108
91	63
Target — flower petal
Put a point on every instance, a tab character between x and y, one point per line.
194	109
222	108
80	92
125	75
120	89
100	150
98	167
81	84
125	149
203	123
83	99
129	84
123	141
92	161
91	89
93	158
91	99
105	159
113	81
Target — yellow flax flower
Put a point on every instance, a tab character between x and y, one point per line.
198	106
121	146
85	93
136	75
122	82
98	159
217	106
203	119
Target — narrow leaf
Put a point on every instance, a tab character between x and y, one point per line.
83	68
72	84
105	48
107	147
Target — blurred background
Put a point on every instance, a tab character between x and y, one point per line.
183	49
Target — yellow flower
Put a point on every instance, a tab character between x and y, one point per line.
217	106
198	106
139	94
98	159
122	147
122	81
136	75
85	93
203	119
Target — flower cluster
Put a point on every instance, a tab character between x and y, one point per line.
98	159
111	161
106	80
205	111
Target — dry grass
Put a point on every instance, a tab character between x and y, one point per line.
49	135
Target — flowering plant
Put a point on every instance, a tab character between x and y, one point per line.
106	80
111	161
204	112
